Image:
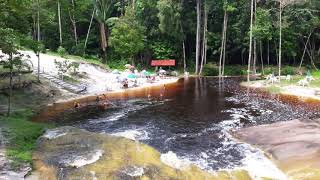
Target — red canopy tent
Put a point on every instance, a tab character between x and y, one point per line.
167	62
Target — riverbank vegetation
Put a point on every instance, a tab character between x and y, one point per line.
195	33
22	136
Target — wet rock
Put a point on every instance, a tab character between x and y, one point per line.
70	153
294	145
69	148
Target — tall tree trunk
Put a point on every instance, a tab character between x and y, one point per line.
204	42
277	53
250	43
304	51
73	22
10	85
87	37
254	56
59	19
255	41
280	37
242	61
313	50
311	57
184	56
268	52
222	43
38	38
261	58
34	19
122	7
103	42
198	35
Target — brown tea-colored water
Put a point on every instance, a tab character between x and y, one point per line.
191	119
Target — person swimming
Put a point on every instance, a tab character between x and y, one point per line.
76	105
98	98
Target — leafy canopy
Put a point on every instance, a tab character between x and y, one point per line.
127	36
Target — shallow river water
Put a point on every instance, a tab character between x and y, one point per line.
191	122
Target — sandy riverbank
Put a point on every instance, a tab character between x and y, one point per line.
303	93
79	97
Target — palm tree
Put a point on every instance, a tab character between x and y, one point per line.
103	10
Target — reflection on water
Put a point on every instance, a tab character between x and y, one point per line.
192	121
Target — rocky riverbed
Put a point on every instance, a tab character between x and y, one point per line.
70	153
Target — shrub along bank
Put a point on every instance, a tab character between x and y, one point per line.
22	136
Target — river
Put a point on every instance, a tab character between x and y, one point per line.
191	122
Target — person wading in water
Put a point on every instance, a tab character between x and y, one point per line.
76	105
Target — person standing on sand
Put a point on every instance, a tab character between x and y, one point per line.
162	91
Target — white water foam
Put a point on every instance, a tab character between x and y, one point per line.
79	161
53	134
171	159
133	134
255	162
134	171
258	165
116	116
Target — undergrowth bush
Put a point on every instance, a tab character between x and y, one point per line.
62	51
234	70
288	70
210	69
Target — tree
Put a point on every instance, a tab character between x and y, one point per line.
103	10
262	30
282	5
8	46
198	35
127	36
171	23
204	41
88	32
228	8
37	48
250	41
73	20
59	20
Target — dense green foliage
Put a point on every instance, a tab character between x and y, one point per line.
127	36
157	29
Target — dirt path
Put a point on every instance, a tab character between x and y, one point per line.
96	78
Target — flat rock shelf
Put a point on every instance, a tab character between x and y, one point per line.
293	145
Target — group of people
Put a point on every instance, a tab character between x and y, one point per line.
101	101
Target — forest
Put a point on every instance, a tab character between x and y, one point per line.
194	32
80	96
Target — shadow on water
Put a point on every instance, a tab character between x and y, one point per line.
192	118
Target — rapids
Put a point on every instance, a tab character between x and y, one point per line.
191	123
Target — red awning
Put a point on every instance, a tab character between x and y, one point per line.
169	62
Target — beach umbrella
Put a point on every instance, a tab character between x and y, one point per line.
116	71
132	76
147	73
161	71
